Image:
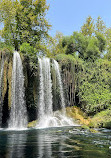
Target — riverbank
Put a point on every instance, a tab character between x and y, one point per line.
100	120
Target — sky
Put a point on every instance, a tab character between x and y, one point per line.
67	16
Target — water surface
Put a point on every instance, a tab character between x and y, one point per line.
65	142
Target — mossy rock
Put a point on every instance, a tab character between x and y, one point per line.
32	124
77	114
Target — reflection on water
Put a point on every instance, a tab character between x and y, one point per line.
16	145
67	142
44	146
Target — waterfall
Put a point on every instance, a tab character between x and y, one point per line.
46	116
57	71
41	110
1	83
45	90
18	112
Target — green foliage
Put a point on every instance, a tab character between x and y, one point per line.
81	43
108	56
88	27
65	59
102	119
108	43
100	26
95	87
101	41
55	45
24	21
68	42
92	50
6	48
95	97
88	48
25	48
75	43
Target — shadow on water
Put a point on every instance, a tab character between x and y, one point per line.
62	142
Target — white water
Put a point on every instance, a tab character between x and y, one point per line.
18	112
61	116
45	90
58	119
1	83
57	71
46	116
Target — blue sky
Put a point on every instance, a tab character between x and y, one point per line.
67	16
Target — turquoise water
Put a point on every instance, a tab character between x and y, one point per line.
65	142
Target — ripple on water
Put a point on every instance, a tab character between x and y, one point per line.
55	142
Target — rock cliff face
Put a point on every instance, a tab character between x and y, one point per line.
31	74
6	67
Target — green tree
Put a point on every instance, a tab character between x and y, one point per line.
7	14
88	28
54	45
95	86
92	51
75	43
101	41
26	22
100	25
81	43
68	43
86	46
108	43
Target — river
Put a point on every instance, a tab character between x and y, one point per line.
64	142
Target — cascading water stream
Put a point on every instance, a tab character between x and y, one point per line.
1	79
45	91
64	120
46	116
57	71
18	112
47	86
41	111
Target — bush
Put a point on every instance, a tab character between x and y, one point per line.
25	48
6	48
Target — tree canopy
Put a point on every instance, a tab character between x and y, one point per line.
24	21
